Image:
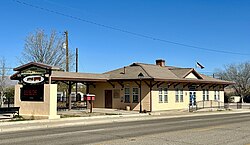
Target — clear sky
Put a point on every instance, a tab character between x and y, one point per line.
220	25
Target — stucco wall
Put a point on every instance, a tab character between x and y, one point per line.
118	103
36	109
185	104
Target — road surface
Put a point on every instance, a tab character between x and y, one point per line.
232	129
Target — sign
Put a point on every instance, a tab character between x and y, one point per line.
33	70
32	93
89	97
33	79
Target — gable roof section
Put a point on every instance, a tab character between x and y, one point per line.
37	64
128	73
184	72
159	73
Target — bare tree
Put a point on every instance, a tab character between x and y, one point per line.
43	48
240	74
3	79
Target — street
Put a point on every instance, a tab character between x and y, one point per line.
232	129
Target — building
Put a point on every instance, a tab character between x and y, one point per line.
162	88
142	87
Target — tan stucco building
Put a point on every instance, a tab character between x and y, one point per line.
139	86
162	88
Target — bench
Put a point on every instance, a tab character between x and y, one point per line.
12	110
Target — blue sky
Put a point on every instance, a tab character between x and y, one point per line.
221	25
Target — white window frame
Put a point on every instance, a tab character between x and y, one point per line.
205	95
179	95
217	95
135	94
126	95
163	95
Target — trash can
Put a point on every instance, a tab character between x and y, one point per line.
128	108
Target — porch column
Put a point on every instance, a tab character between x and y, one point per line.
69	92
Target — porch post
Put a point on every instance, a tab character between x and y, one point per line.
69	92
150	93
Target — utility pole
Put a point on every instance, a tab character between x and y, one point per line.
67	68
76	59
67	51
76	67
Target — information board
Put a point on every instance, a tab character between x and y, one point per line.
32	93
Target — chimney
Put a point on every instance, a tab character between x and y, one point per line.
160	62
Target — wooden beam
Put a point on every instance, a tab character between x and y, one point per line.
210	86
170	84
215	86
137	83
159	84
176	85
113	85
155	83
197	86
121	84
202	86
148	84
186	85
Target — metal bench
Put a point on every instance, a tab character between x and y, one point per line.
8	110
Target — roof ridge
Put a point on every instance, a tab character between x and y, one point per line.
146	71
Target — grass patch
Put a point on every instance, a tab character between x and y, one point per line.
113	114
69	115
20	118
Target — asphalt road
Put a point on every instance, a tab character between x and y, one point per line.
233	129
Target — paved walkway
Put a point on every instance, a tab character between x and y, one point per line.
125	116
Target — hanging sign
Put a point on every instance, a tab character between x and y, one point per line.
33	79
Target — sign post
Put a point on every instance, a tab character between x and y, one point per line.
90	98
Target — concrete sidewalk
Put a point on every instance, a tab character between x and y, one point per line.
39	124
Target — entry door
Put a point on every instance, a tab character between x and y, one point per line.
192	97
108	98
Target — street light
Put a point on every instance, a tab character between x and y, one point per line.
140	76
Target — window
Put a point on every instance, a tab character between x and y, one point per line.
127	95
178	95
205	95
163	95
135	95
181	95
216	95
160	95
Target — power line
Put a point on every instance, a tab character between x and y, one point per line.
126	31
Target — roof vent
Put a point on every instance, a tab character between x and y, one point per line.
160	62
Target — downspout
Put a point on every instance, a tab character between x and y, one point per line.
150	93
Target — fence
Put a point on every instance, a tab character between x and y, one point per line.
206	104
218	104
237	105
76	103
8	102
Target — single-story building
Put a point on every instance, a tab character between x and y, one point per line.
162	88
139	86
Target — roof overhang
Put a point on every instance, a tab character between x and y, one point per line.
195	81
78	77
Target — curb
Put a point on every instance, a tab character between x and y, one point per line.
39	124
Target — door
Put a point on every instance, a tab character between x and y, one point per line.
108	98
192	96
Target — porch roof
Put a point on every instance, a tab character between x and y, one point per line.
78	77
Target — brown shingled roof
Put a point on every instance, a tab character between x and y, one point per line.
73	76
159	73
41	65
